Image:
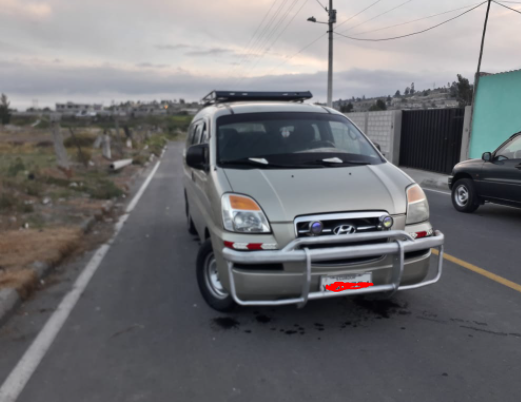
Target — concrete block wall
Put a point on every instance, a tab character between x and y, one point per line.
383	128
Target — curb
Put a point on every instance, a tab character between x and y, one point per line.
10	300
442	185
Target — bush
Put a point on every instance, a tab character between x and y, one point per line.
83	140
15	167
7	202
84	156
105	190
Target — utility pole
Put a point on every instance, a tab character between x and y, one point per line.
483	38
478	73
332	20
330	23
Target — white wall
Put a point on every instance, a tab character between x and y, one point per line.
383	128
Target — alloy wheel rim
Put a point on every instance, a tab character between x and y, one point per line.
212	277
462	196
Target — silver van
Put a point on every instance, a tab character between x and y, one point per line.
292	202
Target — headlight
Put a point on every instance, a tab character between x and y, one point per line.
242	214
417	205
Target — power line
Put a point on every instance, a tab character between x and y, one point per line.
356	15
269	45
379	15
252	42
321	5
502	5
296	54
414	33
256	31
410	22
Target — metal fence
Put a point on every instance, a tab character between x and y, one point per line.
431	139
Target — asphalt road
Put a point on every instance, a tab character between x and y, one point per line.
141	331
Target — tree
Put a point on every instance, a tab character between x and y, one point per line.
397	94
5	112
347	108
389	100
412	89
407	91
464	91
378	106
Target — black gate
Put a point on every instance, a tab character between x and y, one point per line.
431	139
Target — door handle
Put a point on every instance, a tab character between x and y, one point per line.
518	166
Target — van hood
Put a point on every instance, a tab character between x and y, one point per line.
286	194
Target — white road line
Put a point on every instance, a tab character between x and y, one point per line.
436	191
18	378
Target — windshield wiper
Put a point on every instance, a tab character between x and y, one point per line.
261	163
338	161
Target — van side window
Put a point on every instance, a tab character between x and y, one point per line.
191	132
204	139
198	132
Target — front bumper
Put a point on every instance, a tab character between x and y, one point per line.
400	243
451	178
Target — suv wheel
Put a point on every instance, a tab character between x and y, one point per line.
464	196
189	221
209	282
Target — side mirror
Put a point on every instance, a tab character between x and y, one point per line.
197	157
487	157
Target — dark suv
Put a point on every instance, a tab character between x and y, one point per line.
495	177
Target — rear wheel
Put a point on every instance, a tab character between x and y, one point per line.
464	196
209	281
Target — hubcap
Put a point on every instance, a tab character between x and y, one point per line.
461	196
212	278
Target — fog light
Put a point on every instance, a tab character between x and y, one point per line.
386	221
316	228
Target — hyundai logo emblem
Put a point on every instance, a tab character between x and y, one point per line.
344	230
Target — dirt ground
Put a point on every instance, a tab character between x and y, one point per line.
43	208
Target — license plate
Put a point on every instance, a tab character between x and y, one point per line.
344	283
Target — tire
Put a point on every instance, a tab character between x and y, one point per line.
464	196
189	222
208	280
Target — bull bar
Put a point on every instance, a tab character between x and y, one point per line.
400	242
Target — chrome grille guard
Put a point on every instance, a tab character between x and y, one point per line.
400	242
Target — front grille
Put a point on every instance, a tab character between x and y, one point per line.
361	222
345	224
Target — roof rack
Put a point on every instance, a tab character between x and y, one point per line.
236	96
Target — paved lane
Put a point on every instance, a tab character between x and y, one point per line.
488	238
141	331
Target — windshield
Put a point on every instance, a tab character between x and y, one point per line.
291	140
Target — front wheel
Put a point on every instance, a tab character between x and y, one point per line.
209	281
464	196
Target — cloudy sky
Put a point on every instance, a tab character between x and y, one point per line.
113	50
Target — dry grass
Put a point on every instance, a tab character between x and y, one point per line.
20	248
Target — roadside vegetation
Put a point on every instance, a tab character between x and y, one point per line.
43	208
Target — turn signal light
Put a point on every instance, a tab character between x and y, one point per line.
250	246
420	235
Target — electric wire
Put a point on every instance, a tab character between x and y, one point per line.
502	5
295	54
356	15
416	20
270	45
413	33
379	15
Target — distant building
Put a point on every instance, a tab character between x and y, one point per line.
71	108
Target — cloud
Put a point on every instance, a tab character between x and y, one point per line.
209	52
151	65
24	81
173	47
25	9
